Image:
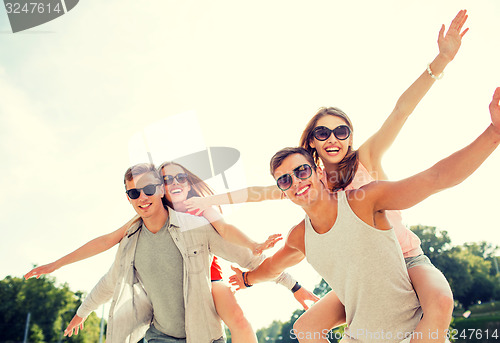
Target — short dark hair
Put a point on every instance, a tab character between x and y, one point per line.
280	156
139	169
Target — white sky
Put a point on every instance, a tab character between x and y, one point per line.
75	91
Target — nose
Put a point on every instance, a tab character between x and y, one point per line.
296	181
332	139
142	195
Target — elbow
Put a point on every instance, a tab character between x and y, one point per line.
441	179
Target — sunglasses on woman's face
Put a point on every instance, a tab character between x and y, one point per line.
302	172
322	133
169	179
149	190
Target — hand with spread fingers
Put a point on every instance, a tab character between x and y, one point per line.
268	244
75	325
450	42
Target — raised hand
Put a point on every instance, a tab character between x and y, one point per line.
236	280
268	244
41	270
450	42
197	203
495	110
302	295
76	324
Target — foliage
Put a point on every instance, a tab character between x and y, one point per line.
479	329
50	307
468	267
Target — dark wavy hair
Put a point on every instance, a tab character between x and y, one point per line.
199	188
349	164
280	156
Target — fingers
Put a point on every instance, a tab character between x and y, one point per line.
495	99
314	297
304	305
496	95
459	22
441	32
68	332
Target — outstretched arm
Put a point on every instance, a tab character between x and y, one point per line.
232	234
289	255
444	174
250	194
371	152
94	247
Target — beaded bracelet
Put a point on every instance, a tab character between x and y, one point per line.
245	280
439	77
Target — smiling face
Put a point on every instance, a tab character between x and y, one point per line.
302	192
146	206
176	192
332	150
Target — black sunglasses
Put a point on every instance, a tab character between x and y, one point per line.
169	179
322	133
149	190
302	172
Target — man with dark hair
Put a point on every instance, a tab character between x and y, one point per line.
159	281
348	240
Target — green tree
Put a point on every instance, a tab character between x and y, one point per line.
468	268
50	307
434	242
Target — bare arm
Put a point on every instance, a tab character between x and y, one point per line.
444	174
250	194
232	234
372	150
289	255
91	248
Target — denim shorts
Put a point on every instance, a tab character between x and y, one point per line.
153	335
419	260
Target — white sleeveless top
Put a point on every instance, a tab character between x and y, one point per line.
365	268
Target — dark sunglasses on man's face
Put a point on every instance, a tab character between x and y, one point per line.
322	133
149	190
302	172
169	179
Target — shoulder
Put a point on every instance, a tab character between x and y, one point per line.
295	237
187	222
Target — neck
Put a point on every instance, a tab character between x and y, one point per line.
156	222
179	206
332	174
323	212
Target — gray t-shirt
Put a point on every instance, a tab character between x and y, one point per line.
160	267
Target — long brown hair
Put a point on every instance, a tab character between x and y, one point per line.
349	164
199	188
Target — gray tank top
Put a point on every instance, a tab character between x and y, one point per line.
365	268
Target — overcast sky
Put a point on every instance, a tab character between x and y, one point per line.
77	92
